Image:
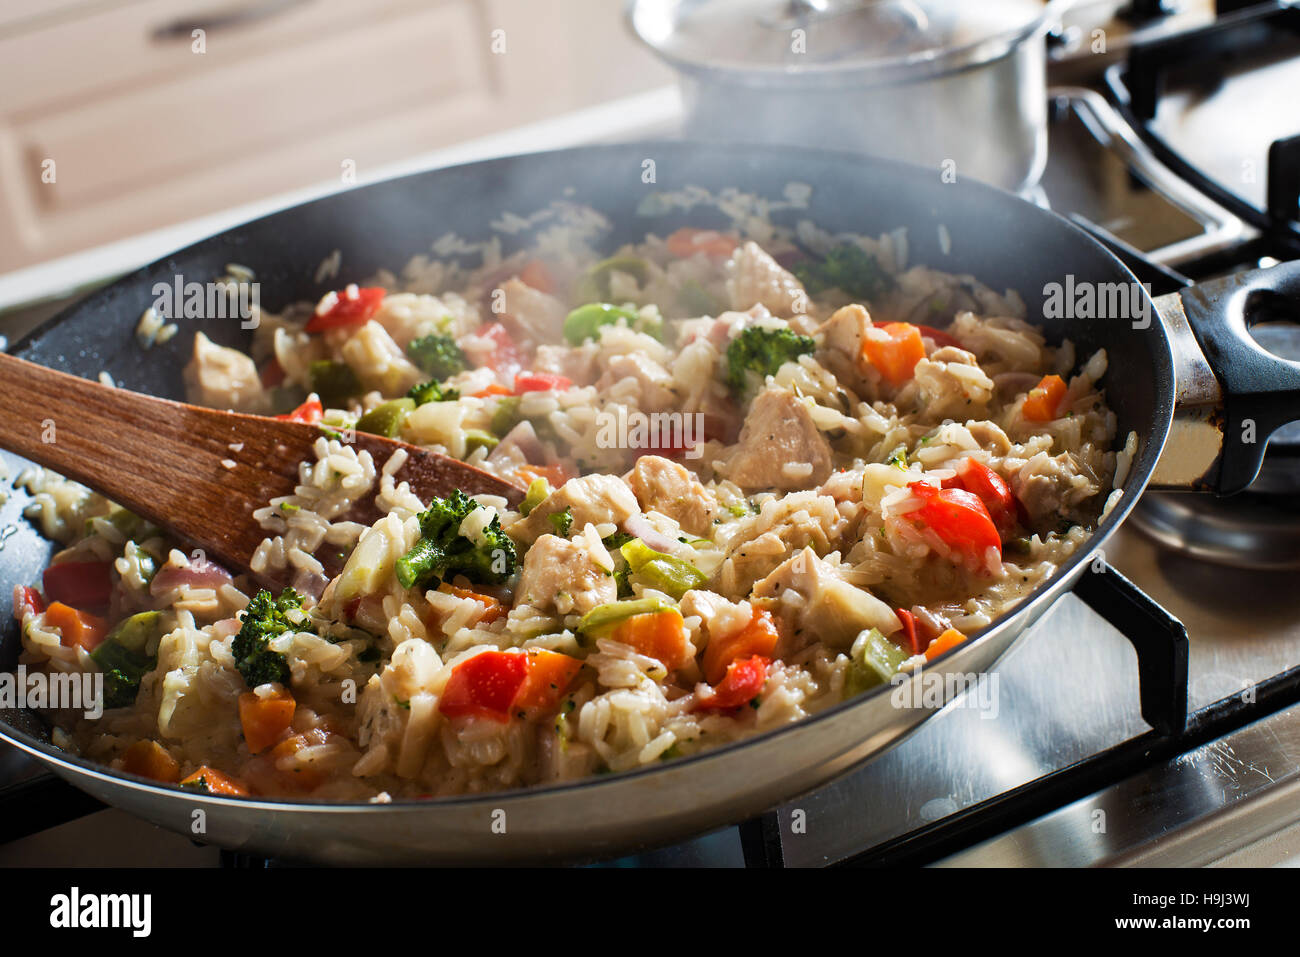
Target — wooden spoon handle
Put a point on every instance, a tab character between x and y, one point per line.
161	459
196	472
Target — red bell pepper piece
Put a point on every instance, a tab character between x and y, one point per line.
500	684
541	382
484	686
26	600
940	337
758	637
80	584
272	374
352	307
958	517
309	413
743	683
991	488
910	639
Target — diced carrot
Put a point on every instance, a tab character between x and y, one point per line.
554	474
149	759
687	242
1044	400
302	778
213	781
894	348
949	639
536	274
549	676
758	637
657	634
76	627
495	609
494	389
265	719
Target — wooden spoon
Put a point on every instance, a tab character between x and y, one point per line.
164	460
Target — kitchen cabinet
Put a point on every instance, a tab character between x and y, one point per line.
118	118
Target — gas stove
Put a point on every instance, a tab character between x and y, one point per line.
1174	141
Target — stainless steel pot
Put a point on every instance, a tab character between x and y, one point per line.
957	85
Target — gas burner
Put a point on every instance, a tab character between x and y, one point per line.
1250	530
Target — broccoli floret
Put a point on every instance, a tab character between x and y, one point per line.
562	522
122	683
266	618
849	268
437	355
616	540
333	382
432	391
763	351
442	552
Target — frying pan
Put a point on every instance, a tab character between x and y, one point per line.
1005	242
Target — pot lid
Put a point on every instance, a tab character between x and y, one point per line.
783	39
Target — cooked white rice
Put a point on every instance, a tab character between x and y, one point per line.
370	667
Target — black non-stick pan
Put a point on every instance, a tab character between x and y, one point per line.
1158	377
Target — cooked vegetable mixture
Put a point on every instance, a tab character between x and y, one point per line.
761	479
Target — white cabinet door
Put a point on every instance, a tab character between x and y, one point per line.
119	121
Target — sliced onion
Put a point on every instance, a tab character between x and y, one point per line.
199	573
639	526
522	437
226	627
309	583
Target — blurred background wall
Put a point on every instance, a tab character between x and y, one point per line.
117	117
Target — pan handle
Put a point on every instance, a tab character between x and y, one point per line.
1232	393
1159	639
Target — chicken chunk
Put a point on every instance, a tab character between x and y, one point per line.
753	276
1053	488
827	608
223	378
563	576
840	349
780	446
948	384
591	499
664	486
539	316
